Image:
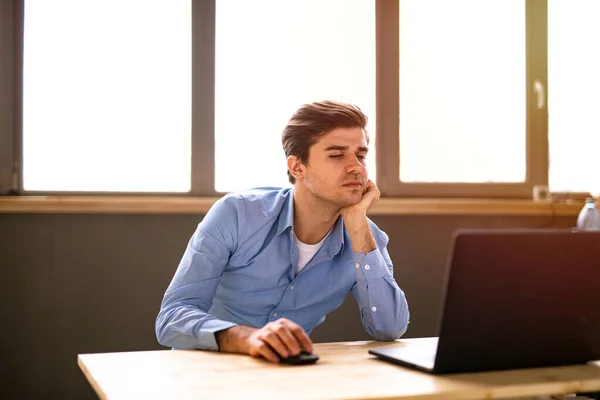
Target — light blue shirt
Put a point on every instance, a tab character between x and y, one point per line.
240	268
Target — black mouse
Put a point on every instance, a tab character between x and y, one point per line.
301	359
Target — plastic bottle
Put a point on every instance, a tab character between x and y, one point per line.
589	217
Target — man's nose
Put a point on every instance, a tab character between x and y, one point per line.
354	165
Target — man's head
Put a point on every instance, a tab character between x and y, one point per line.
326	144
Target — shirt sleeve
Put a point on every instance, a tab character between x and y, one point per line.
383	306
183	321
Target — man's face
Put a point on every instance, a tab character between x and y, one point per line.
336	170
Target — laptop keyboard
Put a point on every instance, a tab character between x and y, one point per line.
419	355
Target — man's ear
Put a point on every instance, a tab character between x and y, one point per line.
295	167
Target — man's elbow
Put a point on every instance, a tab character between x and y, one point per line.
164	332
161	333
169	337
390	334
394	330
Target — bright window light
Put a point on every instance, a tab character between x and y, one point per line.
273	56
107	95
573	100
462	91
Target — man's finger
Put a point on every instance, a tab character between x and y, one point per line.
273	340
288	338
302	337
264	350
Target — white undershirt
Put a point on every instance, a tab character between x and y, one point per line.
307	251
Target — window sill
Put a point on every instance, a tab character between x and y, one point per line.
200	205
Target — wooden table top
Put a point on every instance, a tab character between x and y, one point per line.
345	370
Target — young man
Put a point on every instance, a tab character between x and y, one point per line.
265	266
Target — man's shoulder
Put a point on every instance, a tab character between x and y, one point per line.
260	194
265	200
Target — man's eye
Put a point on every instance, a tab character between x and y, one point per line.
336	156
361	157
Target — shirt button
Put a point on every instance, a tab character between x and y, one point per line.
367	267
357	265
373	308
275	314
292	287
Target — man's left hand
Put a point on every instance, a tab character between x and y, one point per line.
369	198
355	220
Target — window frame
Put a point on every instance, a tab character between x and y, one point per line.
9	28
387	136
388	109
202	110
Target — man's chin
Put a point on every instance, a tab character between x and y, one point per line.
342	199
349	201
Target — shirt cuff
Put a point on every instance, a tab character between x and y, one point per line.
206	336
371	265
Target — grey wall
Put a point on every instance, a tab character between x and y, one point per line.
74	284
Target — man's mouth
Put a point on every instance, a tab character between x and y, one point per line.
353	184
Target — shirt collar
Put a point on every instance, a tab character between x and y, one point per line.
337	237
335	241
286	217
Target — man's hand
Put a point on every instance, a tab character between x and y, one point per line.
369	198
278	338
355	220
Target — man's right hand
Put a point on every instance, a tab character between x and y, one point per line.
281	338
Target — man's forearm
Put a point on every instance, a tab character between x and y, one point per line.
361	237
384	310
234	339
186	326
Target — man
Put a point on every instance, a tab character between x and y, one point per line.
265	266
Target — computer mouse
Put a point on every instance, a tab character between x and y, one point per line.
301	359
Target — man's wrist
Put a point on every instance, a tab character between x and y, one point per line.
365	246
355	219
232	340
359	231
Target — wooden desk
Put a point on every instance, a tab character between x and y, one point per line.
344	371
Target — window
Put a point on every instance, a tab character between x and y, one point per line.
465	98
573	101
106	96
272	56
462	95
458	80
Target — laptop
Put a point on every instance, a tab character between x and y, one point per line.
513	299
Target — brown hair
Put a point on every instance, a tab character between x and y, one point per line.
311	121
